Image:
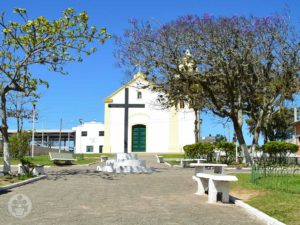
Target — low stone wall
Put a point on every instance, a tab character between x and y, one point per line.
38	150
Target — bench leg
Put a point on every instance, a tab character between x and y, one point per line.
181	164
212	191
202	185
215	187
224	188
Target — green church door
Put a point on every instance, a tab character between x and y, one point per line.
139	138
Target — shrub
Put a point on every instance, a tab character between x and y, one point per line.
278	150
19	145
199	150
229	149
27	166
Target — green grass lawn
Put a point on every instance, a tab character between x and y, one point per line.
94	155
173	162
278	204
8	179
172	156
45	160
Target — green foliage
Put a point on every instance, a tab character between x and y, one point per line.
229	149
220	138
199	150
206	150
278	150
19	145
45	42
25	43
278	126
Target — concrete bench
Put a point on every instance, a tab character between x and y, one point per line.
214	184
57	157
159	159
205	167
183	161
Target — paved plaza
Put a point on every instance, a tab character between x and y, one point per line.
79	195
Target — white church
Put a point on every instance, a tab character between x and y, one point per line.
134	121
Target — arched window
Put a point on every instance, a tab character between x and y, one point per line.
139	95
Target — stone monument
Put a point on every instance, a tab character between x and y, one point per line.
125	163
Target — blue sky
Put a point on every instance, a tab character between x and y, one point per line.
81	93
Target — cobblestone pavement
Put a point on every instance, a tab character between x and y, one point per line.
79	195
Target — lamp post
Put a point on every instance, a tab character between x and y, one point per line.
33	120
236	147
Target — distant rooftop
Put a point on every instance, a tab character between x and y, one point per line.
208	139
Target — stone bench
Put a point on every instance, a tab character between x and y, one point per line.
159	159
183	161
206	167
214	184
59	157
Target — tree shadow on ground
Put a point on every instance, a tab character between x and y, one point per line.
65	174
2	192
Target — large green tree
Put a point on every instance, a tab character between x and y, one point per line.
278	127
39	41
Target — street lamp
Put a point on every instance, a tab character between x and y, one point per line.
234	139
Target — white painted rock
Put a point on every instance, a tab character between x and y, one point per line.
125	163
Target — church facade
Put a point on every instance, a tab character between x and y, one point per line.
134	121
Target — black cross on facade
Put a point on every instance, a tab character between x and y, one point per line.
126	106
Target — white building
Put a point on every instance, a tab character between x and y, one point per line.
149	127
89	137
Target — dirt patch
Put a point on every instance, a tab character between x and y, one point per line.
246	194
5	180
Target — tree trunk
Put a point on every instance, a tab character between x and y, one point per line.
4	131
196	126
255	139
238	124
242	143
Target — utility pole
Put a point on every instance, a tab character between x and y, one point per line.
33	121
42	134
60	135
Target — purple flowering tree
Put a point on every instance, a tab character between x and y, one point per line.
241	67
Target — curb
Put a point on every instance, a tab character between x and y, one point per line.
21	183
255	212
168	164
238	169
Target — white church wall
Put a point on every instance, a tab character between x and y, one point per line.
160	127
186	119
93	138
